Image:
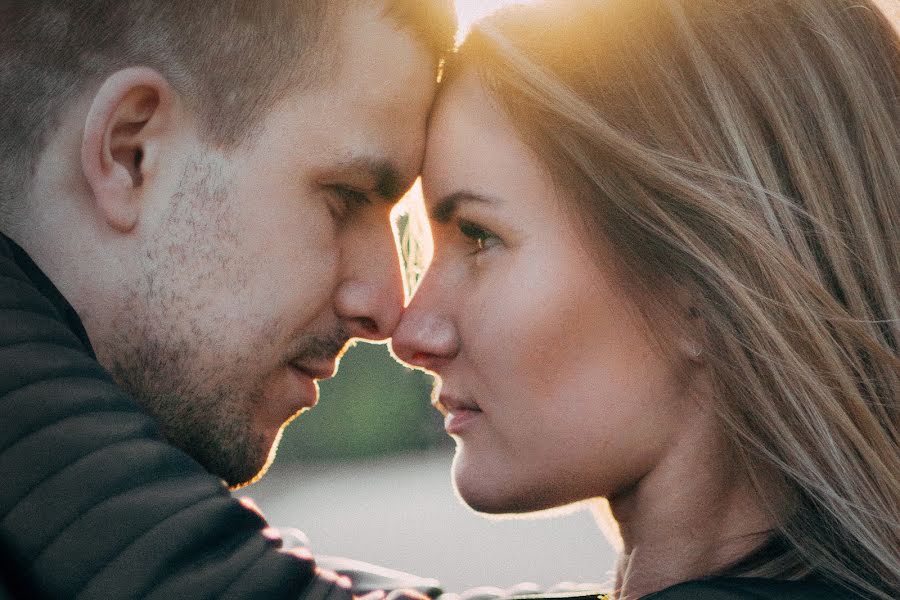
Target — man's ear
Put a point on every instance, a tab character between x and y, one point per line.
128	121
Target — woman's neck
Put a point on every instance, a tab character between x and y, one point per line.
691	516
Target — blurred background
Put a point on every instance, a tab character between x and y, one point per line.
366	475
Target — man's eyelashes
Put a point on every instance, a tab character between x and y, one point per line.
346	200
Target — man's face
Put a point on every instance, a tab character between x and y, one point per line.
257	265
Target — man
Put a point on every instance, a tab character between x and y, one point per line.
198	193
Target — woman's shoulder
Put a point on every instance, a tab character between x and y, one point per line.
747	588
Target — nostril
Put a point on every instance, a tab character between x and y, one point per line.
423	358
366	327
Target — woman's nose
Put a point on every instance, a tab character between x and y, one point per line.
426	337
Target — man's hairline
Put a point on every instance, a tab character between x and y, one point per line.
322	62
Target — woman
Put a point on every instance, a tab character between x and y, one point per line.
666	274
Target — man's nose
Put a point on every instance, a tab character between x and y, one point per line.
426	336
370	298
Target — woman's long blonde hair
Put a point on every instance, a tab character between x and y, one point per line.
749	152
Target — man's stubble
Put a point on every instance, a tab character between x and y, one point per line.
203	407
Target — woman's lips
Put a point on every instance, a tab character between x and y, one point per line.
459	414
456	422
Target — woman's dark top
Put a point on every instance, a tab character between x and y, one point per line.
746	588
718	588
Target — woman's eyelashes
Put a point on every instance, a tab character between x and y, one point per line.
345	200
477	236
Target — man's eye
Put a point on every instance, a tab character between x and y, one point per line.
348	199
478	236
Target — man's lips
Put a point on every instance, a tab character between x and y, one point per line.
307	394
305	376
319	370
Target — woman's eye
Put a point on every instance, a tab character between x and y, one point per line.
479	237
348	200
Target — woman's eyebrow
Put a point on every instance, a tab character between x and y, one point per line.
444	210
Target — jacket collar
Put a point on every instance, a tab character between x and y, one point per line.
46	288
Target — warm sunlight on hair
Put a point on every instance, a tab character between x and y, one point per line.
469	11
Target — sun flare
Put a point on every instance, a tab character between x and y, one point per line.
469	11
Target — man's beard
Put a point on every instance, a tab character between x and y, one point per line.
162	346
208	414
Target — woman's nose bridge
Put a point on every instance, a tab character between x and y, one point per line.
426	327
426	296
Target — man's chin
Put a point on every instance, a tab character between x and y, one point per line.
219	431
251	471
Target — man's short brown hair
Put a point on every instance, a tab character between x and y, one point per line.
230	59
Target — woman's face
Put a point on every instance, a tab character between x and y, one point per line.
551	388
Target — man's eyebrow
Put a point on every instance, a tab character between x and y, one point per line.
445	208
386	180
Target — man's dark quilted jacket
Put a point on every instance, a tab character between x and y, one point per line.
93	503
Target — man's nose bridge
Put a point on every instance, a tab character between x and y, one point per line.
388	274
375	274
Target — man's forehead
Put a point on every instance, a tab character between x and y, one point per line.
371	114
378	59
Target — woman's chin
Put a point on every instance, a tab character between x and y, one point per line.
492	491
476	485
482	501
